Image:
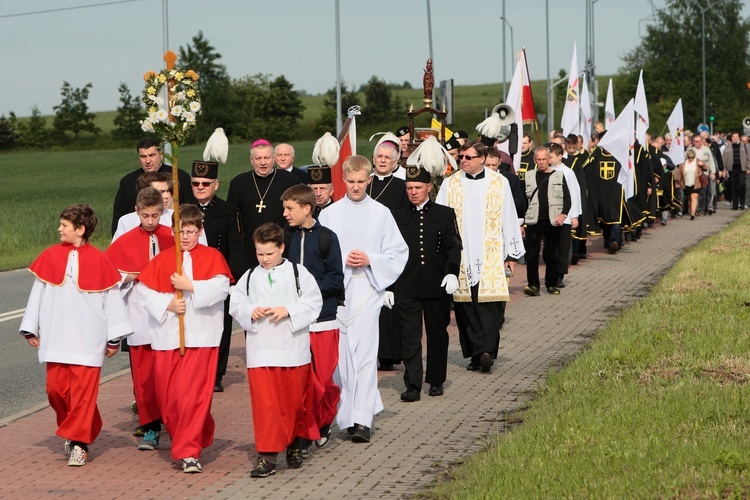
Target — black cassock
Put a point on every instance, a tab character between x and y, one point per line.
258	200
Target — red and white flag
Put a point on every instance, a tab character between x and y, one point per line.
528	114
609	107
348	147
618	141
585	115
514	99
569	122
641	108
676	125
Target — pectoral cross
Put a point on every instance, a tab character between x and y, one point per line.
260	206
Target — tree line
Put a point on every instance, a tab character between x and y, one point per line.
247	108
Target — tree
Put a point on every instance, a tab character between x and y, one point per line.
327	120
377	107
129	115
72	114
267	108
8	133
217	99
34	134
677	32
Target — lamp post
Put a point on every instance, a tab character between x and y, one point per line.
703	49
505	20
504	53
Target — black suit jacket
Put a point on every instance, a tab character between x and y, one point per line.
434	250
127	192
223	228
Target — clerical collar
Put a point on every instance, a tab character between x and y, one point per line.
475	177
256	174
383	177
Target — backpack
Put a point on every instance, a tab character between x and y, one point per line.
324	245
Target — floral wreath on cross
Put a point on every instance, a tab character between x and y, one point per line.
184	105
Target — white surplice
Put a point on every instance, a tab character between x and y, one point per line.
369	227
204	316
74	326
286	343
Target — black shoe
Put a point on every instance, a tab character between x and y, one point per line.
410	395
560	283
263	469
473	367
385	367
218	387
531	291
306	447
613	248
574	259
294	456
350	430
436	390
553	290
361	434
325	436
486	362
139	431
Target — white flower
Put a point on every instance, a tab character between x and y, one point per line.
147	126
161	116
177	110
188	116
180	95
195	106
159	101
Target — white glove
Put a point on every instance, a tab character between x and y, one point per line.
389	300
450	282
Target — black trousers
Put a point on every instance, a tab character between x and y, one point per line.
479	325
535	234
437	316
226	339
737	181
389	346
564	249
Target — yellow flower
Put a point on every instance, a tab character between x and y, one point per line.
152	110
178	76
151	90
190	93
162	78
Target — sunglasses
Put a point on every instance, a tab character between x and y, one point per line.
205	184
467	157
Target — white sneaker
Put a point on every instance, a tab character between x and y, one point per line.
67	446
77	457
191	465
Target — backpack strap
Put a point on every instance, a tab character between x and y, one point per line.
324	242
296	278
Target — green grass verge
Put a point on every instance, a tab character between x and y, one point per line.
656	407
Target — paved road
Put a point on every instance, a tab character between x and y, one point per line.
412	442
21	374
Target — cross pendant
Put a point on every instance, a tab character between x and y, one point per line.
260	206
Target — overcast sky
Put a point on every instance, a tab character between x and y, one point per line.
118	41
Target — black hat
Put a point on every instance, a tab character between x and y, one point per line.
319	174
205	169
452	144
417	174
460	134
402	131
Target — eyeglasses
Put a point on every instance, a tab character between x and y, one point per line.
467	157
188	232
205	184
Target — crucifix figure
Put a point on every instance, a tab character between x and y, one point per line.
260	206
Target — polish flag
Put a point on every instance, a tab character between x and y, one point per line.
348	147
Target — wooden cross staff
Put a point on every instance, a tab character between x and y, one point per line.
170	58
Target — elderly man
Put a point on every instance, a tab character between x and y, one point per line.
703	153
737	162
151	161
222	227
257	195
283	156
491	235
322	186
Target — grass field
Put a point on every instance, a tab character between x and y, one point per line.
656	407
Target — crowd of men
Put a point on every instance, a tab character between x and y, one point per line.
415	246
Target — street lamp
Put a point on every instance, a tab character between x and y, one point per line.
505	20
703	42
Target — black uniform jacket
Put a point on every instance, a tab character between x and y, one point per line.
434	250
223	228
